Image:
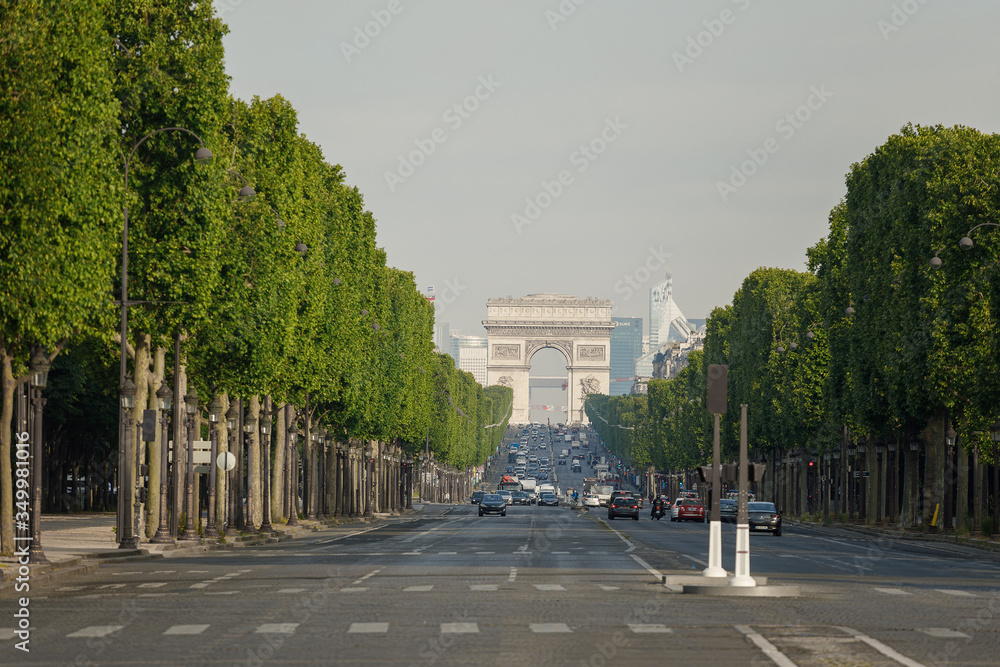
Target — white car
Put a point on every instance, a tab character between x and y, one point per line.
591	500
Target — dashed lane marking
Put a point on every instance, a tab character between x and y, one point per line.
221	592
186	629
943	633
956	593
417	589
353	589
483	587
112	586
448	553
545	628
158	584
96	631
513	575
459	628
6	633
368	628
641	628
892	591
608	588
276	629
769	649
291	590
549	587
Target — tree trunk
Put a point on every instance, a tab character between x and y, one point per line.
6	471
962	496
156	379
278	470
254	505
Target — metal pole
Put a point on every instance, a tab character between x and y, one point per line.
210	529
742	576
35	553
715	568
163	530
190	524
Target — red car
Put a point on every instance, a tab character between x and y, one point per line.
687	509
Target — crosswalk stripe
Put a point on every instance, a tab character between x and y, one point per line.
483	587
417	589
353	589
892	591
153	585
549	587
186	629
639	628
956	593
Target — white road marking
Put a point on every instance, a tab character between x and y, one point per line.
276	629
112	586
957	593
541	628
417	589
649	568
483	587
344	537
197	571
152	595
353	589
199	585
549	587
122	574
459	628
96	631
769	649
291	590
608	588
448	553
485	553
158	584
559	553
892	591
597	553
882	648
222	593
71	588
648	627
368	628
943	633
513	575
696	560
622	537
186	629
6	633
164	572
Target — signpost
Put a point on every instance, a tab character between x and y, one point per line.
718	377
742	576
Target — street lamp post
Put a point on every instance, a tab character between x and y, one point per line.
369	481
293	467
249	426
190	525
214	415
949	477
164	399
129	540
39	378
232	422
265	445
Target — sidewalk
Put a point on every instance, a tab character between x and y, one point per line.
78	543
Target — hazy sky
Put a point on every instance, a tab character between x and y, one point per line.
626	123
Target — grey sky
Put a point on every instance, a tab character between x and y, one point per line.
866	66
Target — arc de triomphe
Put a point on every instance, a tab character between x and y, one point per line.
579	328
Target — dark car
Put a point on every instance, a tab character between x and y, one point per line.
492	504
548	498
727	510
477	496
519	498
623	505
764	517
639	499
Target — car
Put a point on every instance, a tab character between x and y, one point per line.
505	494
519	498
492	504
548	498
639	499
623	505
562	462
764	517
591	500
688	509
727	510
477	496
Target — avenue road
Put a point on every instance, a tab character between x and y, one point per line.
541	586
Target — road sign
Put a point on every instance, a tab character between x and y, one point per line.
857	474
226	461
865	474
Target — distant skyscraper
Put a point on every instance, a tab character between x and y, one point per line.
470	355
666	321
626	347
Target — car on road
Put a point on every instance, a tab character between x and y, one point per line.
548	498
764	517
591	500
727	510
505	494
638	497
519	498
492	504
623	505
477	496
687	509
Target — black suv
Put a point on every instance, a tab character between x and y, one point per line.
623	505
